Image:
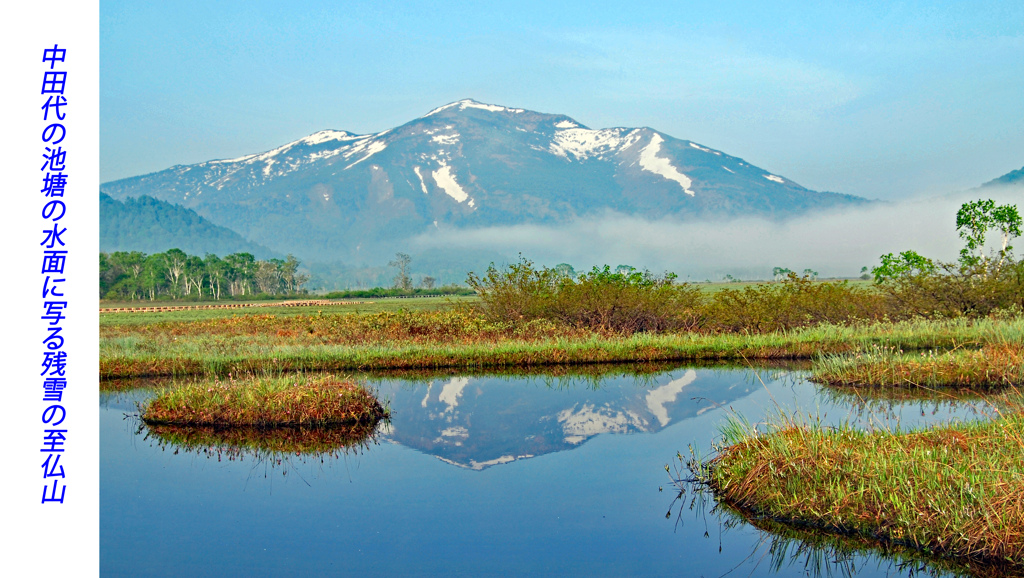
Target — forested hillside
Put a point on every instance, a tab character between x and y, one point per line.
151	226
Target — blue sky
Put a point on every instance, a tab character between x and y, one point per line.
881	99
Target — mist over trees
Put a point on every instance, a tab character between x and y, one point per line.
173	274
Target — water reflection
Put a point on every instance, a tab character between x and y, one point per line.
480	422
263	444
586	502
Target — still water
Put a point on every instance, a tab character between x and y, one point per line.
476	476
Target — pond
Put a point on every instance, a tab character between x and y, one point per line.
476	475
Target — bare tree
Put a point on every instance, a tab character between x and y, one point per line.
402	280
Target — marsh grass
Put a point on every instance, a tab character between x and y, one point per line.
954	491
460	340
295	401
346	307
993	367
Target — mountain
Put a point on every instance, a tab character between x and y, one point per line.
1015	178
335	195
152	226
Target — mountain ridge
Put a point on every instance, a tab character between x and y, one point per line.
337	195
1011	178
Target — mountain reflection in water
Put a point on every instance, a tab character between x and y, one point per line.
479	422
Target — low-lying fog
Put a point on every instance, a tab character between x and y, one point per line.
834	244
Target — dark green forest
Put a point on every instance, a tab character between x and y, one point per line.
149	225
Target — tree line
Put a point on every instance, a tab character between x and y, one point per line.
173	274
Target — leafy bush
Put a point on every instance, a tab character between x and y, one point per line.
796	302
970	288
620	301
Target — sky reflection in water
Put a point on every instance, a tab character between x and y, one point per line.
474	475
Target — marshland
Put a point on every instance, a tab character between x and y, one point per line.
873	425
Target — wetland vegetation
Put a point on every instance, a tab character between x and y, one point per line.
262	402
954	491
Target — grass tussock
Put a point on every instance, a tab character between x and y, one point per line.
955	491
265	402
994	366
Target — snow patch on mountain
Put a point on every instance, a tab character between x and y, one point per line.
470	103
657	398
269	165
700	148
444	179
327	135
774	178
649	161
584	143
370	147
490	107
446	139
566	124
313	139
423	185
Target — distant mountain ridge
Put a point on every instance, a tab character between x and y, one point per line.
335	195
152	226
1011	178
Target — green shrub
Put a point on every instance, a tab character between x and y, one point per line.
796	302
622	301
965	289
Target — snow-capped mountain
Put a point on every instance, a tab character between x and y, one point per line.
338	195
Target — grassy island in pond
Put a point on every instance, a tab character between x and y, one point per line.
953	492
268	402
